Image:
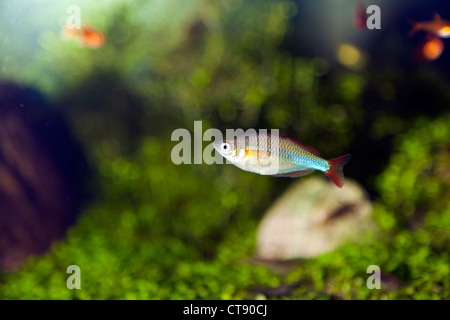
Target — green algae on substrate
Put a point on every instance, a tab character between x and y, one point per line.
140	250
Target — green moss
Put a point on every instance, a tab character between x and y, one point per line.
190	244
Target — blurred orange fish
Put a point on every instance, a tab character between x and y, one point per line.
432	49
359	20
437	27
429	50
87	36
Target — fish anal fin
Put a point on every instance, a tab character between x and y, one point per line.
294	174
312	150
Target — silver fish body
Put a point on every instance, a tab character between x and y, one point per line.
278	155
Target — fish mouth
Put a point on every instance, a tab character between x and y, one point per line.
217	144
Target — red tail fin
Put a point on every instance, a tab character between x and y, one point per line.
336	173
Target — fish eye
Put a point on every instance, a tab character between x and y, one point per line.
225	146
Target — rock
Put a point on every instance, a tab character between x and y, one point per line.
313	217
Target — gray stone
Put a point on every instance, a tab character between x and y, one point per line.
313	217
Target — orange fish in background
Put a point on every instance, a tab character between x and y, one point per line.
437	27
432	49
359	20
429	50
87	36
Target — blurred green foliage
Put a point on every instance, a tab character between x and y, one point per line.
153	237
160	231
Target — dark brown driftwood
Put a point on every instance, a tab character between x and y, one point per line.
41	175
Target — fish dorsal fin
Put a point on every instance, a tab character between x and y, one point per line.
312	150
437	17
294	174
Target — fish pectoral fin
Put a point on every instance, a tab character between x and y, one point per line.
294	174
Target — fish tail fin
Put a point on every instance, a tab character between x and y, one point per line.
414	27
437	17
336	172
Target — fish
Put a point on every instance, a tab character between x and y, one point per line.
428	50
432	49
360	16
437	27
86	35
279	156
